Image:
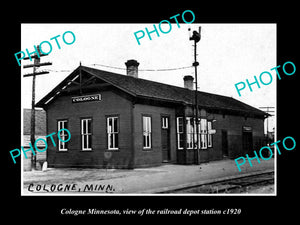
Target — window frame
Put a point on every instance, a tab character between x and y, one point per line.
83	135
203	134
62	133
190	132
209	136
179	133
165	122
148	131
112	133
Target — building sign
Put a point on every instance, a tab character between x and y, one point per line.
247	129
212	131
86	98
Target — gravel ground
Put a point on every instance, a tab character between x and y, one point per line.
80	175
136	181
267	189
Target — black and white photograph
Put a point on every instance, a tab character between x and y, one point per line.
129	107
136	112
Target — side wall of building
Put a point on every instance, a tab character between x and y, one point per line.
233	127
153	156
230	133
130	137
111	104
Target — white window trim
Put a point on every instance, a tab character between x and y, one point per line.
85	135
62	132
190	133
203	134
112	133
165	122
209	136
178	133
147	130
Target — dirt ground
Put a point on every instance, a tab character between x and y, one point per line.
81	175
268	189
140	180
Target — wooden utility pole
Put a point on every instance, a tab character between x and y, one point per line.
269	110
35	65
196	38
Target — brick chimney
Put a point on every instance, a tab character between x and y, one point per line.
132	68
188	82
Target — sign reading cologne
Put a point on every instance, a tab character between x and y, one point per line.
86	98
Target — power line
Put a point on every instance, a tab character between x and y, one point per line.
59	70
169	69
120	68
154	70
270	111
113	67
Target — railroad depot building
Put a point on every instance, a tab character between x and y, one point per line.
123	121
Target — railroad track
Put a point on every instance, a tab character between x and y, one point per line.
232	185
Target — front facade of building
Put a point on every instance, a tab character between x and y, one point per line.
119	121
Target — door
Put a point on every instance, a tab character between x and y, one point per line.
165	138
248	143
224	143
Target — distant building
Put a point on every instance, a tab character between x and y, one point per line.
123	121
40	132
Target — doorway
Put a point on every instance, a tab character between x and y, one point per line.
247	142
165	138
224	143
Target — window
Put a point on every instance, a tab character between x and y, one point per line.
203	133
86	134
189	132
165	122
197	137
146	132
209	136
112	133
63	135
179	132
204	138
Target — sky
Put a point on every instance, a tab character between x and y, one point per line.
227	54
